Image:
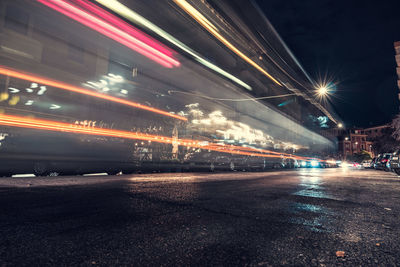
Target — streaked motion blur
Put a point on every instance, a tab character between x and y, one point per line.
111	86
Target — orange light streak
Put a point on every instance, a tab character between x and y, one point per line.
47	125
195	14
79	90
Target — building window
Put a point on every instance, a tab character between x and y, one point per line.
16	19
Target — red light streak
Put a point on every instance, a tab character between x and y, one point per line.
76	89
47	125
124	26
114	28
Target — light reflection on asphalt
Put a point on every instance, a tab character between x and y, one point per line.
315	218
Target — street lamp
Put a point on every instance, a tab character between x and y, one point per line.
340	125
322	90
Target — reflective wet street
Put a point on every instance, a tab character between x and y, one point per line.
317	217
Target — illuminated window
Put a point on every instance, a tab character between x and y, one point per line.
16	19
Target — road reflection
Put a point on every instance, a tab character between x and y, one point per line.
316	218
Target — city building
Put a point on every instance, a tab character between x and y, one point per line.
377	131
354	141
397	49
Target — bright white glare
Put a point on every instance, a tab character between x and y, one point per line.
95	174
345	165
314	163
13	90
24	175
323	90
54	106
303	163
42	90
340	125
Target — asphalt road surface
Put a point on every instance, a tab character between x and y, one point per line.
313	217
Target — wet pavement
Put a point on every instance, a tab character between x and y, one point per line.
313	217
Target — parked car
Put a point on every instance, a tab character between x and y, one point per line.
381	163
366	164
373	162
395	162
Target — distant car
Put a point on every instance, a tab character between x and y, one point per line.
304	164
381	163
366	164
356	165
395	162
294	163
332	163
290	163
373	162
312	163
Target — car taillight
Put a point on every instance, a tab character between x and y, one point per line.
384	160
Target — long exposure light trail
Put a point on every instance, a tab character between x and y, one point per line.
61	85
195	14
124	26
114	28
259	150
48	125
129	14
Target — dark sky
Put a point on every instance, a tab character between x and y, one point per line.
350	41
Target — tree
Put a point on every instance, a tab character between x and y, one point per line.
396	127
360	157
385	143
389	141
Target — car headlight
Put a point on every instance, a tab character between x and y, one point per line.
314	163
303	163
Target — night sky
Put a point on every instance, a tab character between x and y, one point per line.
350	41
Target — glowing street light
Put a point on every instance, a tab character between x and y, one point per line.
322	90
340	125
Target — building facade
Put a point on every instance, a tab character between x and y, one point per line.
357	140
377	131
354	141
